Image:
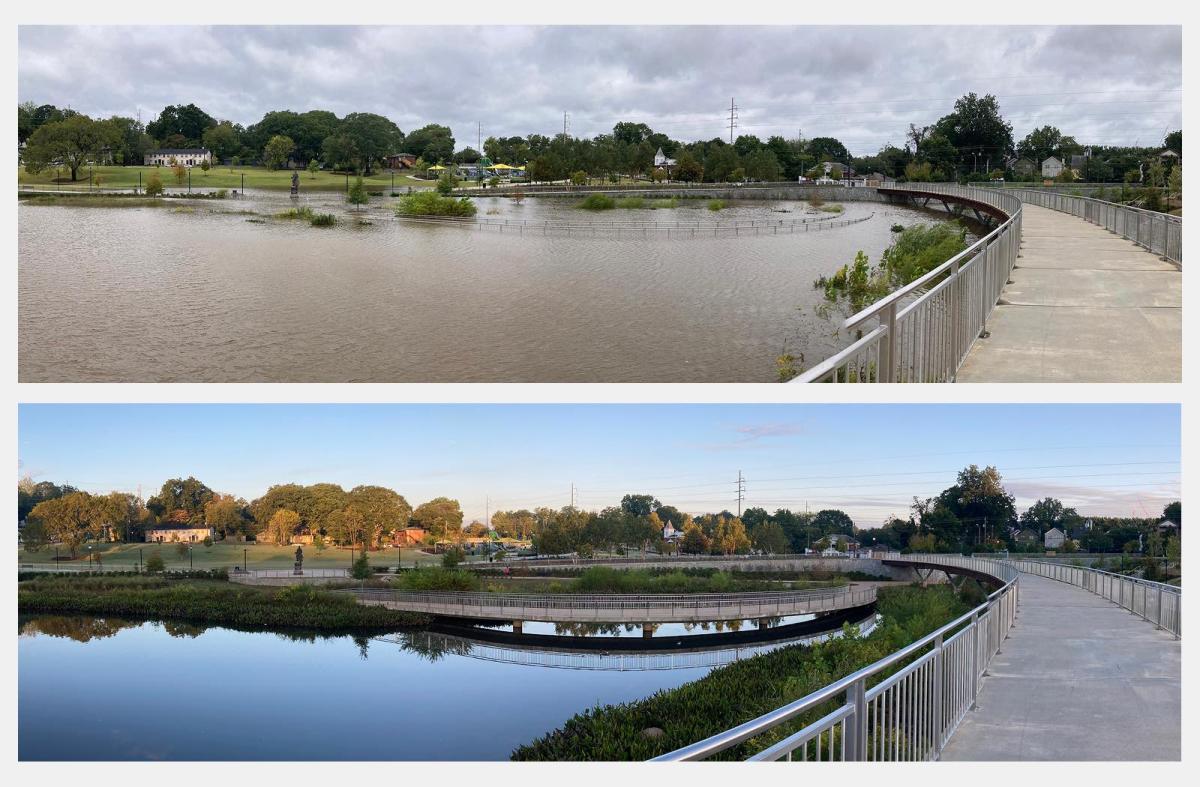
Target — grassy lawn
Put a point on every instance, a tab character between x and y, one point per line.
227	555
221	177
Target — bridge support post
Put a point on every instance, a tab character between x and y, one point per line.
648	630
974	659
887	350
856	730
939	678
516	626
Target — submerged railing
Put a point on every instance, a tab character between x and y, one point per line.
1159	233
904	706
926	328
1159	603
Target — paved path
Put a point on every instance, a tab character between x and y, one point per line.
1085	305
1079	678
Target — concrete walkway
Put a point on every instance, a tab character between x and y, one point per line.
1079	678
1085	305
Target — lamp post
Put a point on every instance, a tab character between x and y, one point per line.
139	560
191	562
244	551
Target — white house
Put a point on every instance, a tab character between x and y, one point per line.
669	533
168	157
660	160
1052	167
1054	538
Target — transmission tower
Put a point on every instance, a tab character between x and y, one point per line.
741	493
733	116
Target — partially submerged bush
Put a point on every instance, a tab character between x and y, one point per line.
597	202
324	220
428	203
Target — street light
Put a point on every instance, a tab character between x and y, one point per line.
244	551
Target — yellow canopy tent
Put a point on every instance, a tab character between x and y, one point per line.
437	167
501	166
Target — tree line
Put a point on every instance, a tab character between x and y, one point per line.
972	142
975	514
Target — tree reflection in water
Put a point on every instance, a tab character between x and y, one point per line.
433	647
80	629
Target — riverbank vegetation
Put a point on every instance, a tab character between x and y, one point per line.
915	250
210	601
429	203
744	690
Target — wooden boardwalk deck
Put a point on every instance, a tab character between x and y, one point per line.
1084	305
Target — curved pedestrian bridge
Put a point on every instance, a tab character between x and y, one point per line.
1082	305
1060	663
620	608
1079	678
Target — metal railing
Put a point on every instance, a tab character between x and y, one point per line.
568	562
904	706
1159	233
926	328
618	608
640	229
279	573
1156	602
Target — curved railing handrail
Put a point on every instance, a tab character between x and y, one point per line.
1101	572
1124	220
1013	210
855	683
929	338
611	600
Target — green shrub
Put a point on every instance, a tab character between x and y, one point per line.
732	695
154	185
438	579
452	557
155	563
428	203
324	220
303	212
208	601
716	204
597	202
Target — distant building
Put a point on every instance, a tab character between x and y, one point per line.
669	533
1023	166
171	533
1168	527
400	160
1052	167
409	537
1054	538
188	157
1028	536
660	160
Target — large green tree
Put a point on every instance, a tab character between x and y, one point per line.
187	122
72	142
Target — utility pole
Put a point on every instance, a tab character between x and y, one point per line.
741	493
566	125
487	512
572	494
732	119
479	138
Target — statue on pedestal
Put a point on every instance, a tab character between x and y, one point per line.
295	183
299	569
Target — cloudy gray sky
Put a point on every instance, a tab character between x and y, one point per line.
864	85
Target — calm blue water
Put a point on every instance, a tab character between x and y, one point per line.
145	691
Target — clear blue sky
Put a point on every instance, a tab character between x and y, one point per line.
869	460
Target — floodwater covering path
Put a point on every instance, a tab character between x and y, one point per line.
1079	678
1084	305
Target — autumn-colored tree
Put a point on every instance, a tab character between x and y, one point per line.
282	526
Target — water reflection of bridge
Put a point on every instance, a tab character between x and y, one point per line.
436	645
